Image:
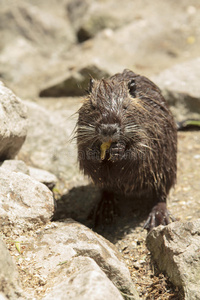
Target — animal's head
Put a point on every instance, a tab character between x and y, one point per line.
107	114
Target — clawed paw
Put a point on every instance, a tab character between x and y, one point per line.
159	215
117	151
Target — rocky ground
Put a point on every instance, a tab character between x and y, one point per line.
48	51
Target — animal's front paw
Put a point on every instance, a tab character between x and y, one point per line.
117	151
159	215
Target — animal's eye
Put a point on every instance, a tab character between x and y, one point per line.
132	87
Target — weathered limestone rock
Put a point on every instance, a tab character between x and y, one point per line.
60	243
13	123
13	165
88	18
24	202
2	297
181	78
180	85
176	250
75	83
32	22
9	278
30	43
34	50
43	176
48	145
85	281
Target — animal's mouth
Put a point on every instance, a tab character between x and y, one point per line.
113	151
105	146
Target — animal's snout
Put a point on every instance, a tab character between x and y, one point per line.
109	131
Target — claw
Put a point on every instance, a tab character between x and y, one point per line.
159	215
117	151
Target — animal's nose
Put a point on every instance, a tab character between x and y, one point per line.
108	129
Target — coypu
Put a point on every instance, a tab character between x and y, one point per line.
127	143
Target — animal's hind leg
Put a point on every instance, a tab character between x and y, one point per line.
106	210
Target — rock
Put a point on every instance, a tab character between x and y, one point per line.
2	297
48	145
30	45
176	250
137	42
75	83
24	202
44	177
85	280
76	11
88	18
30	21
15	166
181	78
9	278
180	85
13	123
60	243
128	37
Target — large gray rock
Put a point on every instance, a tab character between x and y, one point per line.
13	123
90	17
60	243
176	250
180	85
33	35
74	83
32	22
48	144
114	49
43	176
14	165
85	281
2	297
24	202
136	41
131	38
9	277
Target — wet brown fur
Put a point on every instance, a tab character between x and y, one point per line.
147	128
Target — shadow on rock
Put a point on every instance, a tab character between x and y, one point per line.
80	202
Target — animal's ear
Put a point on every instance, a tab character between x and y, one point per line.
91	84
132	87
